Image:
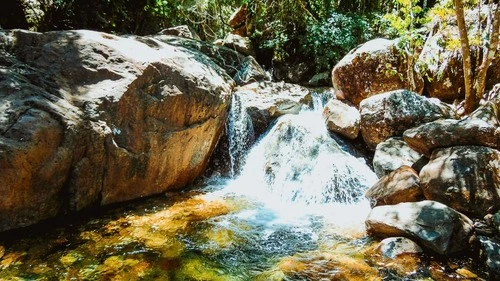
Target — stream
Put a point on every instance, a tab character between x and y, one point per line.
294	210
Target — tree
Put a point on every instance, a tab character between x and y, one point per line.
475	84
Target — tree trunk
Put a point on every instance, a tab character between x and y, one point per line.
488	55
471	101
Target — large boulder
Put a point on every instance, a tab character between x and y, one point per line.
375	67
431	224
390	114
90	119
480	128
441	57
443	67
227	59
466	178
342	118
402	185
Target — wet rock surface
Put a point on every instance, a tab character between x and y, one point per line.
342	118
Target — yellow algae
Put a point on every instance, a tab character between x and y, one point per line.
90	235
290	264
465	272
70	258
317	265
196	269
219	239
2	251
41	268
403	264
10	259
119	268
272	275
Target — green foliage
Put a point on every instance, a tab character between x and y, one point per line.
207	17
321	31
328	41
313	30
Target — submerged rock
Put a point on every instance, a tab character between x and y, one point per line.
466	178
342	119
396	255
392	154
319	266
402	185
373	68
390	114
90	118
431	224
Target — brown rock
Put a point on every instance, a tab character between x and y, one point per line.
342	119
238	20
373	68
402	185
466	178
443	67
89	118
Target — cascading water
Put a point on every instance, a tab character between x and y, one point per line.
298	161
295	212
241	134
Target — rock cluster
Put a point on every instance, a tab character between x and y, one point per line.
440	175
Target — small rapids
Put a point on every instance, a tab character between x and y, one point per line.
294	210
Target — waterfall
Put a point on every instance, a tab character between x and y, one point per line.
298	161
240	133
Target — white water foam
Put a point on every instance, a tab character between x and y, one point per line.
297	169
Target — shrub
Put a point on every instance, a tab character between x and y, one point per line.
329	40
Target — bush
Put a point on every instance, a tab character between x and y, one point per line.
329	40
